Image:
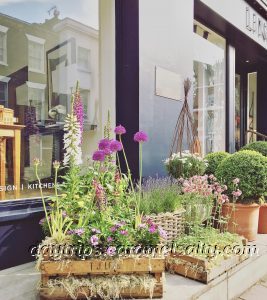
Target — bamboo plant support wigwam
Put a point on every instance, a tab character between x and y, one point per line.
185	130
124	278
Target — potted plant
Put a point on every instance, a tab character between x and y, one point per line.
248	169
185	165
260	146
161	204
213	160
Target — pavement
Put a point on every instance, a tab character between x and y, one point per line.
257	292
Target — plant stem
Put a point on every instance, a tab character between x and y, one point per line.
42	196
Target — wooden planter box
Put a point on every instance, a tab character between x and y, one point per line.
199	268
98	267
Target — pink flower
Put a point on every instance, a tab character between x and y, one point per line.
94	240
152	229
140	137
109	239
111	251
99	155
94	230
237	193
162	233
113	229
115	146
124	232
79	231
236	181
120	130
103	144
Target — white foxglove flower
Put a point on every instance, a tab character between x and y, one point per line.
72	141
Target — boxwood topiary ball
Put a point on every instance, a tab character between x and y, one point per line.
251	168
214	159
259	146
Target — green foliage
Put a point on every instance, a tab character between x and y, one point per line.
214	159
259	146
197	207
251	168
160	195
185	165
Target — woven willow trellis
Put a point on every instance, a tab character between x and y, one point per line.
185	128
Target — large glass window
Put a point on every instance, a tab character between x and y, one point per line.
45	48
209	88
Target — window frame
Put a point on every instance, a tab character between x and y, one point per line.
3	30
40	42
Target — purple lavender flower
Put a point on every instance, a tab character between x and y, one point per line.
140	137
94	240
94	230
115	146
103	144
79	231
109	239
99	155
111	251
124	232
120	130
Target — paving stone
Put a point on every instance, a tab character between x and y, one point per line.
257	292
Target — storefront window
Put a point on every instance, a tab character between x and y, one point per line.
252	107
45	48
209	88
237	112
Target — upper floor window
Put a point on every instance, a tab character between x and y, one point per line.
36	54
83	58
3	45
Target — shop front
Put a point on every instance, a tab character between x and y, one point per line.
130	58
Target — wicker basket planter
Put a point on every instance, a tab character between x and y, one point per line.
54	275
172	223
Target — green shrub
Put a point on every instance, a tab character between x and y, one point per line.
213	161
251	168
259	146
160	195
185	165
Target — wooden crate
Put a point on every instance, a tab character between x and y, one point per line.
97	267
199	268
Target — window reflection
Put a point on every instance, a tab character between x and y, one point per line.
44	50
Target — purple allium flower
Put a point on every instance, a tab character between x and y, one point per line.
94	240
152	229
99	155
140	137
79	231
78	107
120	130
115	146
113	229
111	251
109	239
94	230
103	144
124	232
107	151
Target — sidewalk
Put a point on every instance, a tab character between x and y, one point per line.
20	283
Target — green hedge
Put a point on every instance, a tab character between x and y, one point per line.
213	160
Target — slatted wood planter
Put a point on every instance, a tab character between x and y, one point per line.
96	267
199	268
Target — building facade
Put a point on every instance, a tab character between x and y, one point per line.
131	62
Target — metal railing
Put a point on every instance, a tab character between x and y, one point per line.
258	134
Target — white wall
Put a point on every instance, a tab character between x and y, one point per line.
165	34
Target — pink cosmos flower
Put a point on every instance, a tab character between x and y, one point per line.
99	155
115	146
120	130
94	240
140	137
111	251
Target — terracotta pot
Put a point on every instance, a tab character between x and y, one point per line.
262	228
245	217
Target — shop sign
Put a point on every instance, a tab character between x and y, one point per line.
256	24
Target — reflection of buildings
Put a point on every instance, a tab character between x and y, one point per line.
39	65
